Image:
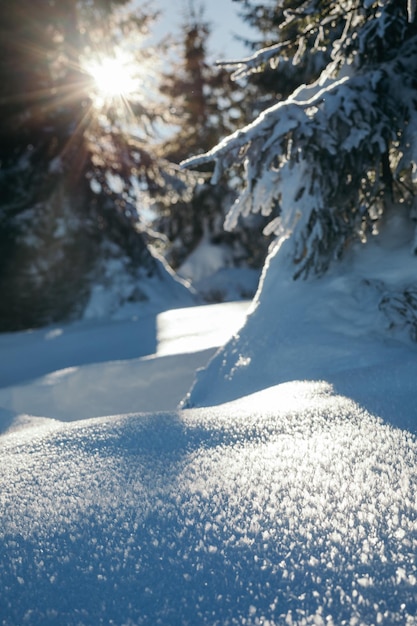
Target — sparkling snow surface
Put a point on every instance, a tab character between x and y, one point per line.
293	501
291	506
329	328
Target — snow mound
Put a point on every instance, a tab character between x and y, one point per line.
122	293
291	506
330	328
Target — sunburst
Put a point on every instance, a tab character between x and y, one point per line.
114	79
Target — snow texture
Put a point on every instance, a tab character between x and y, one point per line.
331	328
293	504
87	370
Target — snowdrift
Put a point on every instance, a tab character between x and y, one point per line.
89	369
331	328
290	506
287	497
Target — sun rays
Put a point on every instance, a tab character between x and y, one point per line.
114	79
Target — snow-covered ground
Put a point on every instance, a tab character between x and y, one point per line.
90	369
286	495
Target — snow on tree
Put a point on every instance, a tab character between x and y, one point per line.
337	160
333	157
269	23
206	106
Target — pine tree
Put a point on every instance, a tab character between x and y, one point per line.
335	158
300	61
70	174
335	163
207	105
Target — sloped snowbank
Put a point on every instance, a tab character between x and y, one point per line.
290	506
295	504
330	328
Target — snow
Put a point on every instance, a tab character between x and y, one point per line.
330	328
205	260
99	368
209	269
286	495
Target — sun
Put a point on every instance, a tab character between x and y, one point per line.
113	78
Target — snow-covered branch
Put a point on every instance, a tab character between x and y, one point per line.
411	9
252	63
320	166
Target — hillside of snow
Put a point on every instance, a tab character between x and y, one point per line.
89	369
330	328
286	496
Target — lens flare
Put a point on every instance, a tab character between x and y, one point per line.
113	77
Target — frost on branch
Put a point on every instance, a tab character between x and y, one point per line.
328	163
411	9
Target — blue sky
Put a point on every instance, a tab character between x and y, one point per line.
223	17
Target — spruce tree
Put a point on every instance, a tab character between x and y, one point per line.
297	63
206	103
335	163
207	106
331	162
